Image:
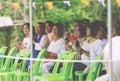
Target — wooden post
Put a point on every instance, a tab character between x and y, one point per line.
8	37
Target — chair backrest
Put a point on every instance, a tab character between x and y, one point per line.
23	53
36	66
61	57
23	67
2	52
93	69
8	60
66	66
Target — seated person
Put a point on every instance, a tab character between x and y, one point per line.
40	41
55	48
26	41
115	56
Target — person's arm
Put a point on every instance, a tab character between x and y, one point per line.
106	63
85	52
44	42
20	46
106	57
50	55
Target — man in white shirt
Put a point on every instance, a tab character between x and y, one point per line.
41	40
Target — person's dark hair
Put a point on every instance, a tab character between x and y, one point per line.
82	30
117	28
91	29
42	25
60	29
50	23
100	25
28	25
76	21
85	22
34	34
77	44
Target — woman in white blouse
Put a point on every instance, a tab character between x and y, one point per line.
26	41
55	48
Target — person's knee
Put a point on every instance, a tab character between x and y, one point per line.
44	66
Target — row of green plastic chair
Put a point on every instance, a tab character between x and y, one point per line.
13	75
64	74
94	70
8	73
37	72
8	67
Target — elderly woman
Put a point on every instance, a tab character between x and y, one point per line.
55	48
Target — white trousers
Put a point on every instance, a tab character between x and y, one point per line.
46	67
102	78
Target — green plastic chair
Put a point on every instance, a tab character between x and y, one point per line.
94	70
64	74
36	68
10	75
2	52
7	62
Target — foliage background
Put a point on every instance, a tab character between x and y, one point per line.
60	13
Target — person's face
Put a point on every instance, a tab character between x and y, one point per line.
114	33
78	34
100	34
25	30
38	29
75	24
88	31
48	28
67	34
55	30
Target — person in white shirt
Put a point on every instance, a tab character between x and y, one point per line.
115	56
26	41
55	48
101	39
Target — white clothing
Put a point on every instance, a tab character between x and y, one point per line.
86	46
80	42
115	56
26	42
50	36
46	67
97	48
55	47
43	43
115	48
102	78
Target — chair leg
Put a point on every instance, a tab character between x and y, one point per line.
19	78
7	78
